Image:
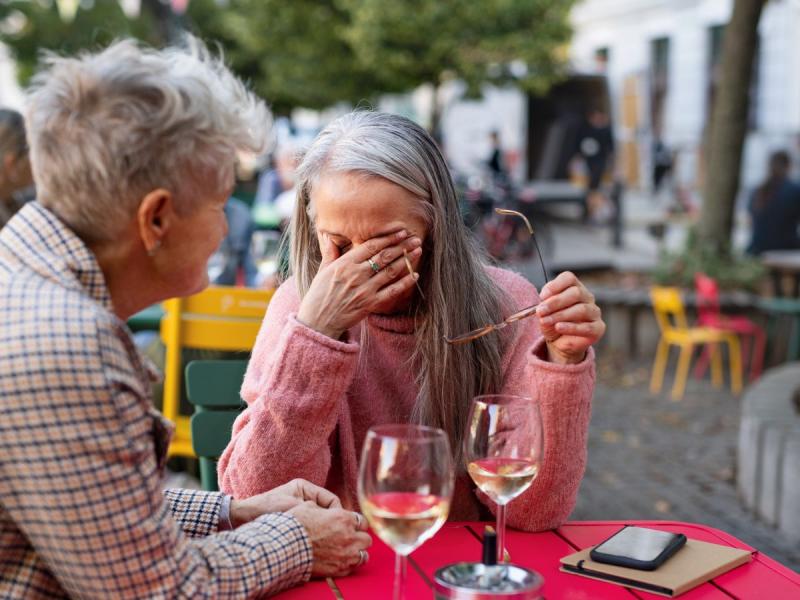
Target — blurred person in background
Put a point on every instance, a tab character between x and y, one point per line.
596	148
775	209
133	154
16	180
273	182
235	253
496	163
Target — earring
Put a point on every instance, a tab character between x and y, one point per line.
154	249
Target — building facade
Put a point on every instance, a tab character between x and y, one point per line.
661	58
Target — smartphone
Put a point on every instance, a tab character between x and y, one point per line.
638	548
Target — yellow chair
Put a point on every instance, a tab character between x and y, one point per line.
219	318
675	331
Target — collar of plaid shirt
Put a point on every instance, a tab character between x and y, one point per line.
38	240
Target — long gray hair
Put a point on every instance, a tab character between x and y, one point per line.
459	295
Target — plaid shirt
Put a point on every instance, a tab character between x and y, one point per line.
82	452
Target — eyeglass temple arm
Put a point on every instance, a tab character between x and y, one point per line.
515	213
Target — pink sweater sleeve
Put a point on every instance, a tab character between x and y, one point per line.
294	385
565	398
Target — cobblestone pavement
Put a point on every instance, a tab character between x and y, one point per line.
652	458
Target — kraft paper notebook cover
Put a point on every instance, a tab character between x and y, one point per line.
695	563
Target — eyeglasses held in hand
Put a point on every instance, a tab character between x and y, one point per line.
520	314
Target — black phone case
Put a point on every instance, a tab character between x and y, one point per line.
643	565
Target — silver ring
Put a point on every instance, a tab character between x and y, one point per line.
358	520
374	265
363	557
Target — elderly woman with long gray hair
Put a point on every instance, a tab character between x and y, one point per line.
357	336
133	153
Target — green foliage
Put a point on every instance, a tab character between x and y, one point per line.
42	29
427	41
732	272
315	53
292	51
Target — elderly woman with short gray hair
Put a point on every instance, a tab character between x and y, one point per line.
133	153
357	337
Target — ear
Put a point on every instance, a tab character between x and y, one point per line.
155	216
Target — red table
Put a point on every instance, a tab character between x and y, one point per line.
761	578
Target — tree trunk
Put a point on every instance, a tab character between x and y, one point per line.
729	125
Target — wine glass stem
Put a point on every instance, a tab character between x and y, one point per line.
400	567
501	533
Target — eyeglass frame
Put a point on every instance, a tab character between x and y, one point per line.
517	316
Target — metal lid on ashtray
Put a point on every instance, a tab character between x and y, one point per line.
478	581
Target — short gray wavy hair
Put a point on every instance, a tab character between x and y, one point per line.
105	129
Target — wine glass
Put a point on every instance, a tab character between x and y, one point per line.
503	450
405	484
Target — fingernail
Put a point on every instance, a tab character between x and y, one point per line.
416	252
545	293
402	234
416	242
543	310
547	320
415	276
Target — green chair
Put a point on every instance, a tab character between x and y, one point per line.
212	386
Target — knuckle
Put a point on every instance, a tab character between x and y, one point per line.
392	271
385	257
372	247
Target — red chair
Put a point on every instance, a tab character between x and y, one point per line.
709	315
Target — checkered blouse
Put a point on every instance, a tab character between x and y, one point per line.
82	452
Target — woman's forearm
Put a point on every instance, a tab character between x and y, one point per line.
284	433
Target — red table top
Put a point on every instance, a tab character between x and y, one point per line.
455	542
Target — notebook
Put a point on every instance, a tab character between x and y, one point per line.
695	563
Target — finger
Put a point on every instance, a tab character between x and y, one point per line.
361	522
322	497
564	299
591	331
330	251
370	248
388	255
577	313
559	284
396	269
397	288
363	540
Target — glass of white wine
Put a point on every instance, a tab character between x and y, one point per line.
405	484
503	449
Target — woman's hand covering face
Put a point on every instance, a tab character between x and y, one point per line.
347	287
569	318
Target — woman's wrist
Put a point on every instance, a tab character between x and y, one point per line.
312	324
559	358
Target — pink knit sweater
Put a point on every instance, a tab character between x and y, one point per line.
311	401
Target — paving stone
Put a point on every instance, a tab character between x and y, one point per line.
652	458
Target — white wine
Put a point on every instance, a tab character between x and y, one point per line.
404	520
503	479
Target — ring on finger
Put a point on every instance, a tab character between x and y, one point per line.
358	518
373	265
363	558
